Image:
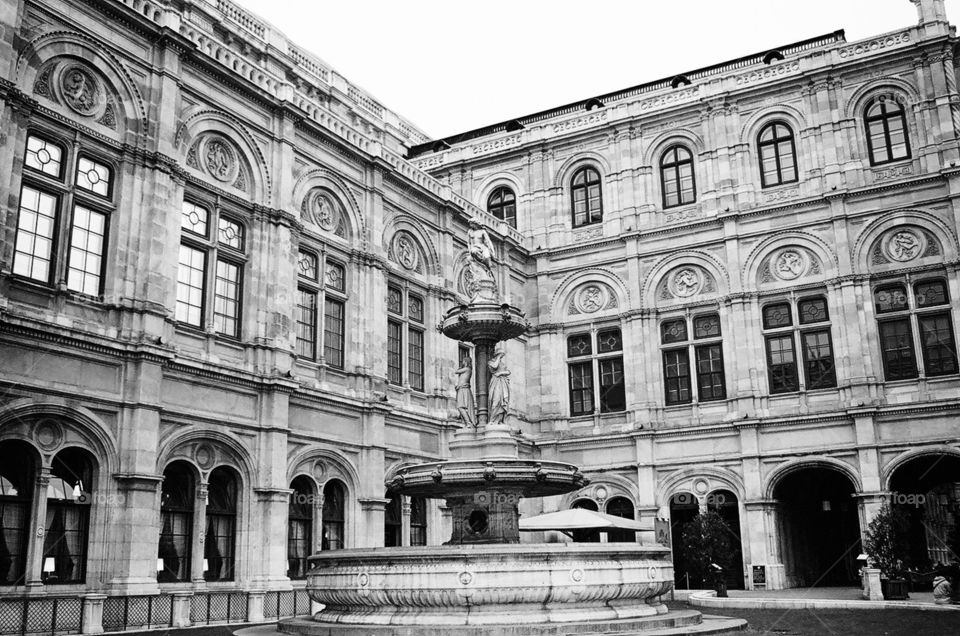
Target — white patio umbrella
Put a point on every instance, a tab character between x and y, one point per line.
577	519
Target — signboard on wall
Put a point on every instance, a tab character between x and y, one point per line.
661	532
759	576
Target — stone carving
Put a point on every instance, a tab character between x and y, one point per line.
219	159
789	265
109	117
903	246
321	209
477	279
466	406
48	435
686	282
406	252
80	90
42	84
591	299
499	396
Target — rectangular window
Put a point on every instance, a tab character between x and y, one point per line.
676	373
612	394
394	352
93	176
710	381
35	235
819	369
176	528
86	251
581	388
896	344
415	354
298	547
333	332
782	364
939	350
306	324
65	541
219	546
226	301
193	263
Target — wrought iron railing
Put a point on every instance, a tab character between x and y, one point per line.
121	613
47	615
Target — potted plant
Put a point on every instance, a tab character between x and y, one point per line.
887	547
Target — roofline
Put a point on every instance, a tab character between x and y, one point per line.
518	123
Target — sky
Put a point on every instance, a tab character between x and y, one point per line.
449	66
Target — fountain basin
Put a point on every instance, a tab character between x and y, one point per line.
526	478
483	321
490	584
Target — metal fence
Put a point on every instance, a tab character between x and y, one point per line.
218	607
121	613
40	616
286	604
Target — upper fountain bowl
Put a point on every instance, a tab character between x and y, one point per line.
483	321
527	478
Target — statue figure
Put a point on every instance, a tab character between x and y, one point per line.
499	390
465	404
476	279
479	245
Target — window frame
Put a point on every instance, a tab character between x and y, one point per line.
675	166
796	333
775	143
500	207
592	362
406	324
686	346
883	119
592	177
322	292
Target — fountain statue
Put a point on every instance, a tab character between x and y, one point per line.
483	580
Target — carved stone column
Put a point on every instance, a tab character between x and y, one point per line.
199	536
33	567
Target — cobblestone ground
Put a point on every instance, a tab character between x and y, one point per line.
809	622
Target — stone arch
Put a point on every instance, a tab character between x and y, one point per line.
615	486
790	115
667	264
687	480
489	184
562	295
207	449
888	470
52	424
676	136
803	240
401	223
55	43
868	237
791	466
322	178
209	121
333	466
854	107
581	159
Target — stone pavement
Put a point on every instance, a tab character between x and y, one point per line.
805	598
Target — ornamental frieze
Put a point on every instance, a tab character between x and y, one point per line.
878	44
766	74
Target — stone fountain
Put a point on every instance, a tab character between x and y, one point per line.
483	580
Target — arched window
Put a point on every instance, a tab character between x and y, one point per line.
886	125
17	476
621	507
177	495
586	536
418	521
220	544
587	201
68	517
393	521
334	517
300	527
778	155
502	203
676	177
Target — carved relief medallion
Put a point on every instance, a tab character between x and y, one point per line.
789	265
219	160
406	252
686	282
80	90
591	299
904	245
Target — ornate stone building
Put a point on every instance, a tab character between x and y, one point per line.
221	264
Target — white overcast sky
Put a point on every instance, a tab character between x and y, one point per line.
449	66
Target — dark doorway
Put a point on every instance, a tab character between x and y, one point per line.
586	536
683	508
819	528
725	503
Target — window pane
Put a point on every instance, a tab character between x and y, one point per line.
93	176
896	343
581	388
230	233
307	265
706	326
939	349
306	324
394	301
190	285
226	301
418	521
194	218
336	276
586	197
43	156
394	352
782	364
415	308
710	380
676	372
86	251
609	340
415	355
890	298
777	316
819	369
579	345
812	310
930	293
35	225
673	331
333	332
612	394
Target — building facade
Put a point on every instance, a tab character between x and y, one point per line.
222	264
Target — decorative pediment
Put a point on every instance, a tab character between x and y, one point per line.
592	297
80	88
218	157
686	282
788	264
903	245
322	209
